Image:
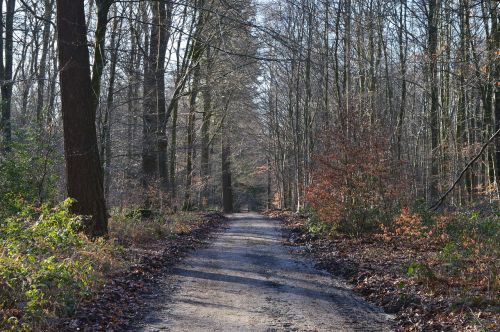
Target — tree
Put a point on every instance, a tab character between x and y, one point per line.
6	73
227	187
42	71
83	169
432	44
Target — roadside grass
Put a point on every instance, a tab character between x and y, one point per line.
48	268
130	227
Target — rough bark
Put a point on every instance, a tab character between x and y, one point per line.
83	168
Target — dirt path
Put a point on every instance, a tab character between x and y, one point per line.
248	281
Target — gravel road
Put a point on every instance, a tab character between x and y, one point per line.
247	280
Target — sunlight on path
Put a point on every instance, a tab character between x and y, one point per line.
248	281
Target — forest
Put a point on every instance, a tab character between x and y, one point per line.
132	130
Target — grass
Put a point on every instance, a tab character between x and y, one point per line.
130	228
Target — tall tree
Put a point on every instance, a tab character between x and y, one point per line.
103	7
227	186
6	64
432	54
205	129
495	28
42	70
83	168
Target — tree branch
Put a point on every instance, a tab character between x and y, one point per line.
441	200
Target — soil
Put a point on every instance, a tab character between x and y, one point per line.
247	280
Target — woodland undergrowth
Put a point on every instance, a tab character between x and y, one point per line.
360	209
48	267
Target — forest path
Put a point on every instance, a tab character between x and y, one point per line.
247	280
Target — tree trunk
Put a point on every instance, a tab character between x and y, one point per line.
106	152
83	168
103	7
42	71
205	131
163	17
190	137
495	6
433	20
150	117
6	73
227	190
402	40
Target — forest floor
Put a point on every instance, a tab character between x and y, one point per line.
126	296
247	280
379	272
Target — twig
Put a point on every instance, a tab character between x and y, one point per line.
441	200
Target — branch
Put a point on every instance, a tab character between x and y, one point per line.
441	200
32	12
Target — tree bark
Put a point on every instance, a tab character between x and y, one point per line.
433	20
83	168
106	152
42	71
150	117
190	137
6	73
103	7
227	189
205	131
163	17
495	6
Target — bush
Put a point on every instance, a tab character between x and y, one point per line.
316	226
466	246
44	271
355	183
27	173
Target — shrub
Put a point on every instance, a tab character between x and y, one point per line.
408	225
28	173
44	270
355	182
466	247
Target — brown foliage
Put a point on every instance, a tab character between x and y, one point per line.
423	273
356	183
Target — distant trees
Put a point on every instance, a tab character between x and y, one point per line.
201	101
420	70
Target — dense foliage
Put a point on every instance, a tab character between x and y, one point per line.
45	265
355	186
29	173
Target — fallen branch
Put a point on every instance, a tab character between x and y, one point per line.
441	200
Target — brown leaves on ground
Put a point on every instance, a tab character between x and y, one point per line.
123	299
403	277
